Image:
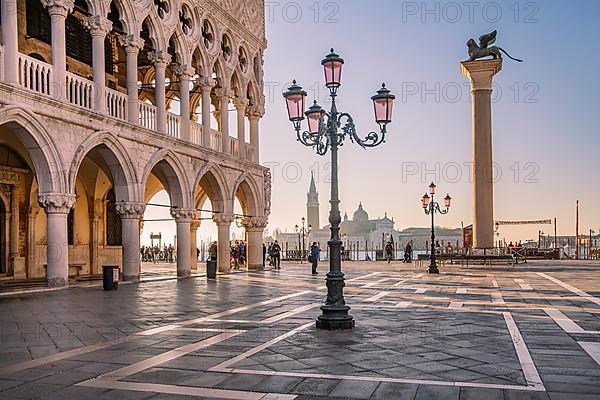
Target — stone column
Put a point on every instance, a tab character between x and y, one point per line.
255	227
57	207
10	40
207	85
98	27
94	243
13	254
160	59
481	73
223	221
194	225
58	10
132	46
224	113
31	241
183	218
131	213
241	105
184	72
254	117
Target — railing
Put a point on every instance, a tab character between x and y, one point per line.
216	143
116	104
147	116
234	147
196	133
173	124
34	75
79	91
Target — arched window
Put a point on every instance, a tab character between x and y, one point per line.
113	221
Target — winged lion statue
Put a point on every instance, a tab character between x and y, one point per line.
482	50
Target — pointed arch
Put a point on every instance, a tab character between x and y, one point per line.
169	170
118	162
126	13
212	182
45	157
246	191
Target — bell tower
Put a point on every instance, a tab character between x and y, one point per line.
312	205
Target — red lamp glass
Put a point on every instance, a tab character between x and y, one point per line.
383	103
425	200
294	98
315	116
332	64
447	200
432	188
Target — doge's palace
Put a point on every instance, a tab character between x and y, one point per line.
104	103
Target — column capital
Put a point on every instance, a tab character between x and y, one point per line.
59	7
183	215
207	83
223	218
131	42
224	93
131	210
195	224
159	58
256	112
184	70
56	203
481	72
98	25
255	223
241	103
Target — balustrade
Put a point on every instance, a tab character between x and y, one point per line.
34	74
116	104
148	116
79	91
196	133
173	124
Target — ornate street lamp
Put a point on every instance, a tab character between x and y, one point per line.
302	232
328	130
431	207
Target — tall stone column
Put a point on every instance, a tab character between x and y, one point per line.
255	227
254	118
224	113
185	73
131	214
207	85
183	219
58	10
160	59
194	225
31	240
223	221
14	254
99	28
132	45
57	207
94	243
481	74
10	40
241	105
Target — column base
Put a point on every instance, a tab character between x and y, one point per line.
184	274
58	282
256	267
433	269
131	278
335	318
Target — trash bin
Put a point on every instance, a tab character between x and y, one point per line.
110	275
211	269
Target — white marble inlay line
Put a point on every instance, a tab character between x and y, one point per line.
529	369
566	323
570	288
377	296
593	349
404	304
420	291
523	285
368	285
461	291
455	305
358	278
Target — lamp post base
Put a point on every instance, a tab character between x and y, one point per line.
335	318
433	269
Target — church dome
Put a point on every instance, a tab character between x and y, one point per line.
360	215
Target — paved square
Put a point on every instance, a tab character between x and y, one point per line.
526	332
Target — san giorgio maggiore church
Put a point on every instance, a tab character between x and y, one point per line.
360	231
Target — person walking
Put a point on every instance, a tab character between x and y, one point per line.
314	257
389	250
264	252
276	256
212	251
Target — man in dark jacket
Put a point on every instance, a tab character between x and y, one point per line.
276	255
314	257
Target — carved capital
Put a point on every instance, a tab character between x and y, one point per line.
159	58
60	8
255	223
131	43
257	111
224	93
98	25
183	215
223	218
131	210
195	224
241	103
184	71
267	192
207	83
56	203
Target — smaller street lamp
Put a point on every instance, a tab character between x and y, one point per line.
302	232
431	207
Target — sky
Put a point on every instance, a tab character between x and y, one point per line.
545	110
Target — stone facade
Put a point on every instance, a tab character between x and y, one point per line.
88	143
